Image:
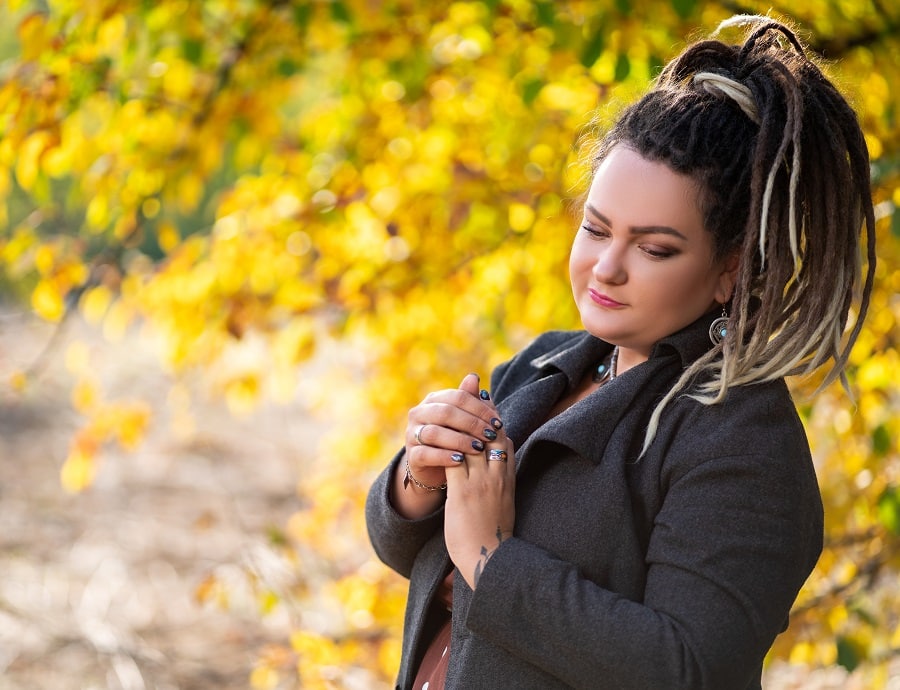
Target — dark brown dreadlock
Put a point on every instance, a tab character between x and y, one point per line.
783	170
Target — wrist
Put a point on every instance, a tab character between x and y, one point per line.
411	483
410	501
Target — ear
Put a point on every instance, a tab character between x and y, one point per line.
728	277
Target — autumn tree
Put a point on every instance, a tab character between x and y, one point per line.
398	178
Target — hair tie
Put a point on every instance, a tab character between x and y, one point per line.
719	85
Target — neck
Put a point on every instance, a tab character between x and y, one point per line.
629	358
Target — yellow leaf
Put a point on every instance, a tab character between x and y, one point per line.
263	678
521	217
78	471
95	302
28	160
268	600
802	654
18	380
47	301
168	237
875	146
44	259
111	35
84	396
242	394
57	162
34	36
132	425
97	212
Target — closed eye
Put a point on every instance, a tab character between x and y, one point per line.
656	252
598	233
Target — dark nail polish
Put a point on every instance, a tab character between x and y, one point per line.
477	445
490	434
457	457
484	395
496	423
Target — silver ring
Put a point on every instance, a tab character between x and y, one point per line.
497	454
418	434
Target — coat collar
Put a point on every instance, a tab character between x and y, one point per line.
574	356
611	420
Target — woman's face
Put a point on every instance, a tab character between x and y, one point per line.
642	264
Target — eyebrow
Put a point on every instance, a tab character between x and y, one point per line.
638	229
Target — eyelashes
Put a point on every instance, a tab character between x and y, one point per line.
651	250
594	232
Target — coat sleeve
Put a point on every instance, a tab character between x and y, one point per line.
396	540
733	540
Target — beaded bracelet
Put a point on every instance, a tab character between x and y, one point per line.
409	478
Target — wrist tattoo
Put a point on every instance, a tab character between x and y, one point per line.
485	556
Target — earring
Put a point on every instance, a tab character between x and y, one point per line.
718	329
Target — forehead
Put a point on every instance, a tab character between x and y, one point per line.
631	190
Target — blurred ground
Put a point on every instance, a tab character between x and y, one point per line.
98	590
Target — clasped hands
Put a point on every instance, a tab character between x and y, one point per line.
456	437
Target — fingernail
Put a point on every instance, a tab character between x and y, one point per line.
484	395
457	457
490	434
472	373
496	423
477	445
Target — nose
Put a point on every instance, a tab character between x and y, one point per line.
609	267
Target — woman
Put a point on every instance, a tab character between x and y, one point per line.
634	505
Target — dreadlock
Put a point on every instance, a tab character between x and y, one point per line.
783	170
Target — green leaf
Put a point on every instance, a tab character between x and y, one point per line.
302	13
847	654
623	67
591	50
546	14
530	90
895	223
624	6
192	49
881	440
287	67
889	509
340	13
684	7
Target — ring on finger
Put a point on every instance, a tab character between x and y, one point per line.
497	454
418	434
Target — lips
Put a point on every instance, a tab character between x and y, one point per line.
604	300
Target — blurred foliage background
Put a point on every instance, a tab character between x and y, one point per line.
248	183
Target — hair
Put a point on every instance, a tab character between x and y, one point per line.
783	172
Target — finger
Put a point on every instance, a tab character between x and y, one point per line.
499	454
472	402
448	439
495	421
430	465
472	459
470	384
426	420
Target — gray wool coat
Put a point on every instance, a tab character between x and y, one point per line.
675	570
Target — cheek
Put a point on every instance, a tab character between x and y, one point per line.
690	285
579	260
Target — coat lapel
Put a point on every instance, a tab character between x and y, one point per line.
527	408
621	407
